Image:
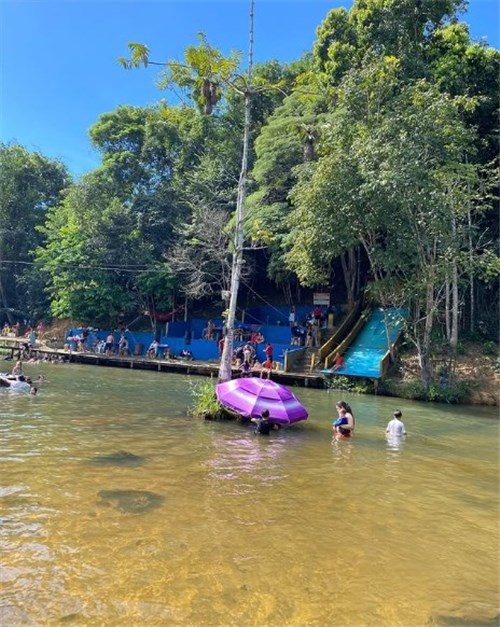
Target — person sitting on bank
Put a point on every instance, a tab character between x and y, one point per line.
185	354
267	366
238	356
246	369
260	338
153	349
123	346
208	331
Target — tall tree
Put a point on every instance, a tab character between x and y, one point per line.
389	180
30	184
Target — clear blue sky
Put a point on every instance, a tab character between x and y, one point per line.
58	69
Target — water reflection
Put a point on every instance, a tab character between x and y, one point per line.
342	450
249	461
394	442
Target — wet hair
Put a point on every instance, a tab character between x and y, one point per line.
265	413
344	405
398	414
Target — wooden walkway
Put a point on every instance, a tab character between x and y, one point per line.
203	368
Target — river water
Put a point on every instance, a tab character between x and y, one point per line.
119	509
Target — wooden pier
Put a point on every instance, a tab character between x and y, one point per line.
180	366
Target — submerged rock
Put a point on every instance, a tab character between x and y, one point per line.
130	501
120	458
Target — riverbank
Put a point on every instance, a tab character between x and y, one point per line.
476	379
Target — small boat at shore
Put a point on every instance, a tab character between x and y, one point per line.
248	397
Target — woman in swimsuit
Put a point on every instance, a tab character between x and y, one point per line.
346	429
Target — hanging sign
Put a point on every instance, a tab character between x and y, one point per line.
321	298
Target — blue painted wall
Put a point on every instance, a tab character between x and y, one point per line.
203	350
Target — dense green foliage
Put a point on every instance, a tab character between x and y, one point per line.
379	148
30	185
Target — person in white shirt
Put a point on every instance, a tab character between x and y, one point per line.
396	425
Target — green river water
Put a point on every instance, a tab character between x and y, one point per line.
119	509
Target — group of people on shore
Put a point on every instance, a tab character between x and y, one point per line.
22	330
245	359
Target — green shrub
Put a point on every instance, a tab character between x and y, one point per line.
347	384
204	400
415	391
490	348
456	393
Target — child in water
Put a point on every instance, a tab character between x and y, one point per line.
341	420
396	426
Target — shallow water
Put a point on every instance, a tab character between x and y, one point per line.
117	508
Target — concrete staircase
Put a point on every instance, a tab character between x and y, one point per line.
303	364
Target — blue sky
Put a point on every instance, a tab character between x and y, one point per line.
58	69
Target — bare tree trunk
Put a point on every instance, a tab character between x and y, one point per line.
227	353
426	342
447	308
3	300
454	298
3	296
454	309
348	261
472	320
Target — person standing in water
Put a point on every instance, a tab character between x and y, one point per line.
18	369
263	426
396	426
347	423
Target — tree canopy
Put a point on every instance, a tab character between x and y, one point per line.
376	150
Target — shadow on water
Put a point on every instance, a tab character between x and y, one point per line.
459	621
130	501
120	458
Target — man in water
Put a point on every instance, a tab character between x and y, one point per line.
263	425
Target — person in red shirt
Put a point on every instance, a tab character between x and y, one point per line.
269	352
338	362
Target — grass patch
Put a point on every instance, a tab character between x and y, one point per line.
204	402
